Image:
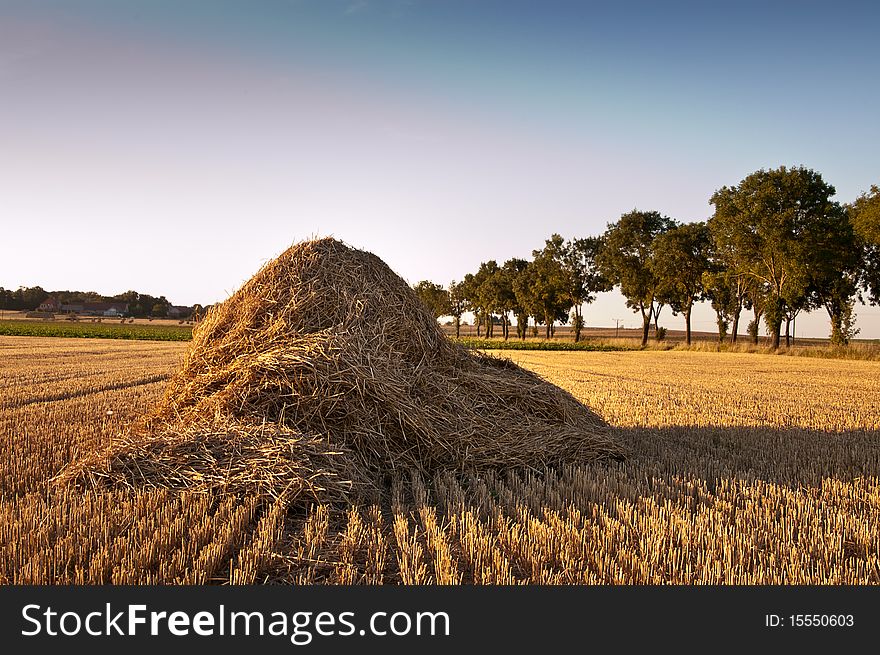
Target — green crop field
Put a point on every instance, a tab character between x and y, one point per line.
517	344
96	330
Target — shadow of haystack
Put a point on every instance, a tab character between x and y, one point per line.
323	373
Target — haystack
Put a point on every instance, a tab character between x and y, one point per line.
324	373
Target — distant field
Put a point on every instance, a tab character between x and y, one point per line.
86	329
553	345
742	469
166	330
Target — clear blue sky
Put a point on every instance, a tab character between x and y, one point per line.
173	147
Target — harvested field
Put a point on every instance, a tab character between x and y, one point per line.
742	469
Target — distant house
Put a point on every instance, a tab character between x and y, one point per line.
179	311
97	308
50	304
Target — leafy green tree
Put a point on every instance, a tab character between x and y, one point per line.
756	300
583	278
864	215
513	270
753	328
434	297
458	304
543	287
627	260
499	293
768	220
23	298
468	287
681	258
727	282
32	297
487	294
836	271
140	305
160	305
526	298
500	296
727	292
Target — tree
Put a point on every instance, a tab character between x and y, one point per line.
627	260
681	258
497	296
838	258
767	220
543	288
584	280
526	298
24	298
727	292
499	293
161	306
756	300
864	215
141	304
727	283
468	289
434	297
486	294
514	271
458	304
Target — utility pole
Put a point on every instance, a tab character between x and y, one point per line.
616	327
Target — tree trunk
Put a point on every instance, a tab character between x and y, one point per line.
457	327
758	315
479	321
646	326
735	325
687	326
549	325
787	332
776	314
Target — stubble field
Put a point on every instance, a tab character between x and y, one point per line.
742	469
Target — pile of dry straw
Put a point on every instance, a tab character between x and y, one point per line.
323	374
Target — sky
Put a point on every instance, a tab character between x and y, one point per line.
175	147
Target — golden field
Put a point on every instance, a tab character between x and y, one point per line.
742	469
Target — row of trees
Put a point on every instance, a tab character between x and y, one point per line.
776	244
561	278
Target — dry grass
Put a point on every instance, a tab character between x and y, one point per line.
742	469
